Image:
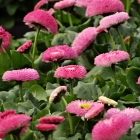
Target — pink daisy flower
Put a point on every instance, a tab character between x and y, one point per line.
79	107
7	113
111	129
56	94
83	39
139	1
97	7
43	19
112	20
25	46
112	111
51	119
109	58
58	53
46	127
70	72
82	3
2	31
94	110
64	4
40	4
23	75
13	123
138	82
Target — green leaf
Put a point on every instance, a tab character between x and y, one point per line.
9	105
129	97
11	8
88	136
38	92
77	136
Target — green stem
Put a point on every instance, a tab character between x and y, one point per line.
69	117
114	73
16	137
71	87
112	41
35	43
20	90
51	136
128	3
59	23
85	123
3	49
70	20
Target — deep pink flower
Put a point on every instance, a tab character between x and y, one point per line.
2	31
111	129
138	82
13	123
112	111
94	110
56	94
64	4
83	39
97	7
112	20
82	3
25	46
109	58
46	127
43	19
70	72
79	107
58	53
51	119
7	113
40	4
139	1
21	75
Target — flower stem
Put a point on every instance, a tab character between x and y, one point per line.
128	3
112	41
59	23
35	43
51	136
69	117
71	87
114	73
20	91
16	137
70	20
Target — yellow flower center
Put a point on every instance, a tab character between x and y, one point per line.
86	106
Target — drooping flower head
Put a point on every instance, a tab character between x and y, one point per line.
13	124
23	75
98	7
79	107
70	72
83	39
109	58
40	4
56	94
24	46
111	129
51	119
112	20
57	53
64	4
42	19
82	3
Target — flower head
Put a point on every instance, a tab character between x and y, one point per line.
42	19
139	1
10	124
2	31
82	3
70	72
56	94
64	4
97	7
83	39
21	75
25	46
51	119
111	129
40	4
112	111
7	113
109	58
46	127
58	53
79	107
138	82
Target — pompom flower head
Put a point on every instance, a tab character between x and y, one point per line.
98	7
24	46
40	4
56	94
70	72
111	129
46	127
57	53
112	111
42	19
82	3
83	39
21	75
109	58
64	4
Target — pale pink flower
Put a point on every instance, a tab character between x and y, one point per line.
83	39
51	119
56	94
25	46
70	72
112	111
111	129
109	58
79	107
51	11
112	20
82	3
23	75
42	19
94	110
46	127
57	53
97	7
40	4
13	123
138	82
64	4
